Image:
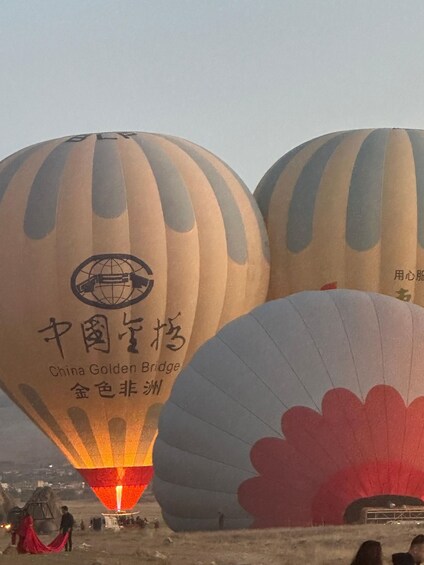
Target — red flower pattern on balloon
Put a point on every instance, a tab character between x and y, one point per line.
329	286
352	450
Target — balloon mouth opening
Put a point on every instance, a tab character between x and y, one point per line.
356	512
118	488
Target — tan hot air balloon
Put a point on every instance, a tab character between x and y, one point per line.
121	253
346	210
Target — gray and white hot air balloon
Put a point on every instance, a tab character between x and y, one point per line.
295	413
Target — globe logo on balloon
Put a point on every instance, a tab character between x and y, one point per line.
112	281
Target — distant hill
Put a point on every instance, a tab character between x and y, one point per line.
20	439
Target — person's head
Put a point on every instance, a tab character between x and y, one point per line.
64	509
417	548
369	553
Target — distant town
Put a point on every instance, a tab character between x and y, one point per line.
20	480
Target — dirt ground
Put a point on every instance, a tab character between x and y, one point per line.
306	546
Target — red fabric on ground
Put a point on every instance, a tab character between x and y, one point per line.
29	542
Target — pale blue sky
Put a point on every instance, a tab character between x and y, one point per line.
247	79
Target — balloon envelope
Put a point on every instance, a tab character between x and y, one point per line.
295	412
121	254
346	210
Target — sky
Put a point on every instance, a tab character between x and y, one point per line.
247	79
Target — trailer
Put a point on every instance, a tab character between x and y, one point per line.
404	514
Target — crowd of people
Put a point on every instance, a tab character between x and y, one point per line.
138	521
371	553
124	521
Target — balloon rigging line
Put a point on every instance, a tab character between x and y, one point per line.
385	384
407	396
245	363
233	399
209	424
283	356
209	459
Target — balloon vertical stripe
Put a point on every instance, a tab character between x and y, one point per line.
301	211
48	419
11	166
148	431
40	215
267	184
118	431
233	179
176	205
81	423
234	228
109	191
363	217
417	142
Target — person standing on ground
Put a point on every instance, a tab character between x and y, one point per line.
414	556
66	525
369	553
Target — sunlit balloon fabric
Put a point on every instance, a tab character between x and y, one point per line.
294	412
346	210
121	253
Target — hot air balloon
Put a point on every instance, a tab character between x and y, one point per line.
297	413
346	210
121	253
